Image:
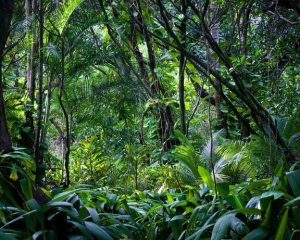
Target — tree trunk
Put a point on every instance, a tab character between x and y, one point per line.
215	32
6	12
165	118
47	106
163	115
27	136
67	139
182	64
245	27
37	154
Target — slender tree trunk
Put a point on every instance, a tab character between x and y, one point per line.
17	71
181	70
27	140
47	106
37	142
245	27
139	56
67	139
215	32
6	13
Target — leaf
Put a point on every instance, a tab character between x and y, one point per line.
296	216
223	189
195	214
252	211
82	229
182	138
223	225
26	186
112	199
97	231
275	194
176	225
198	234
64	194
33	204
282	226
295	138
206	177
177	218
94	214
37	234
59	204
295	200
14	174
253	202
20	218
169	197
257	234
235	201
7	236
267	220
68	8
2	217
178	203
188	157
294	179
207	224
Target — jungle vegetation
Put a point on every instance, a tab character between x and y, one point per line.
141	119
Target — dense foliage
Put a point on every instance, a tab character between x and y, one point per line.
149	119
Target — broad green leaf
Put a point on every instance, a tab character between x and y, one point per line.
296	216
82	229
294	179
20	218
182	138
176	225
197	235
195	214
207	224
33	204
8	236
169	197
282	226
206	177
178	204
59	204
223	189
64	194
97	231
250	211
267	218
275	194
257	234
225	223
94	214
26	186
235	201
